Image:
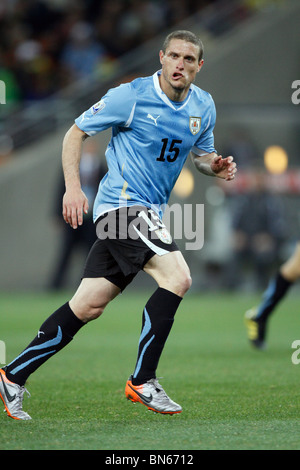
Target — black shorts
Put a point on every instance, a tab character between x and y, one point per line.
127	239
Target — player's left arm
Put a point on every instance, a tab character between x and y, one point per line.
212	164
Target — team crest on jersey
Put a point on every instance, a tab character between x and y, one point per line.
98	106
164	235
195	124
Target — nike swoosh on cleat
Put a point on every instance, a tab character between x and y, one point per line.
10	397
142	397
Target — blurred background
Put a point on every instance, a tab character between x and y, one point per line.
58	57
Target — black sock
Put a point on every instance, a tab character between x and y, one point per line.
54	334
158	318
276	289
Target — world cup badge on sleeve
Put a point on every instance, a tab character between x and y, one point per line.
98	106
195	124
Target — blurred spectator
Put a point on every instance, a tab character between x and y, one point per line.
142	20
35	70
82	54
24	47
107	22
259	228
92	170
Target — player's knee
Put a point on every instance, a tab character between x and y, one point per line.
181	284
186	283
291	270
93	312
86	311
293	273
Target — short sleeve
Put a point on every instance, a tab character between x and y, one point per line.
114	109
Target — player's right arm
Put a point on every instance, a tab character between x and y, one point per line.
75	201
116	108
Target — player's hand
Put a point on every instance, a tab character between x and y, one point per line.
75	203
224	167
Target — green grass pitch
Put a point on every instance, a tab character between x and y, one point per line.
233	397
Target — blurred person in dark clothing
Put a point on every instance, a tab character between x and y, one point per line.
259	229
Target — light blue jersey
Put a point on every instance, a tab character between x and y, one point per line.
151	139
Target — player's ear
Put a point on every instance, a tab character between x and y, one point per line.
200	65
161	56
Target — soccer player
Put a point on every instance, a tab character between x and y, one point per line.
257	318
156	122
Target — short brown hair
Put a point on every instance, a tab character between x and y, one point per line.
185	36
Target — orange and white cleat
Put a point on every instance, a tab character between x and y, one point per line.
12	396
152	395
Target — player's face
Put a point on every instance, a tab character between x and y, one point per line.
180	64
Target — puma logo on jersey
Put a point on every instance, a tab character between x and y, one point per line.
153	118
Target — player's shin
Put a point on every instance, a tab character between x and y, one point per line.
54	334
158	318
